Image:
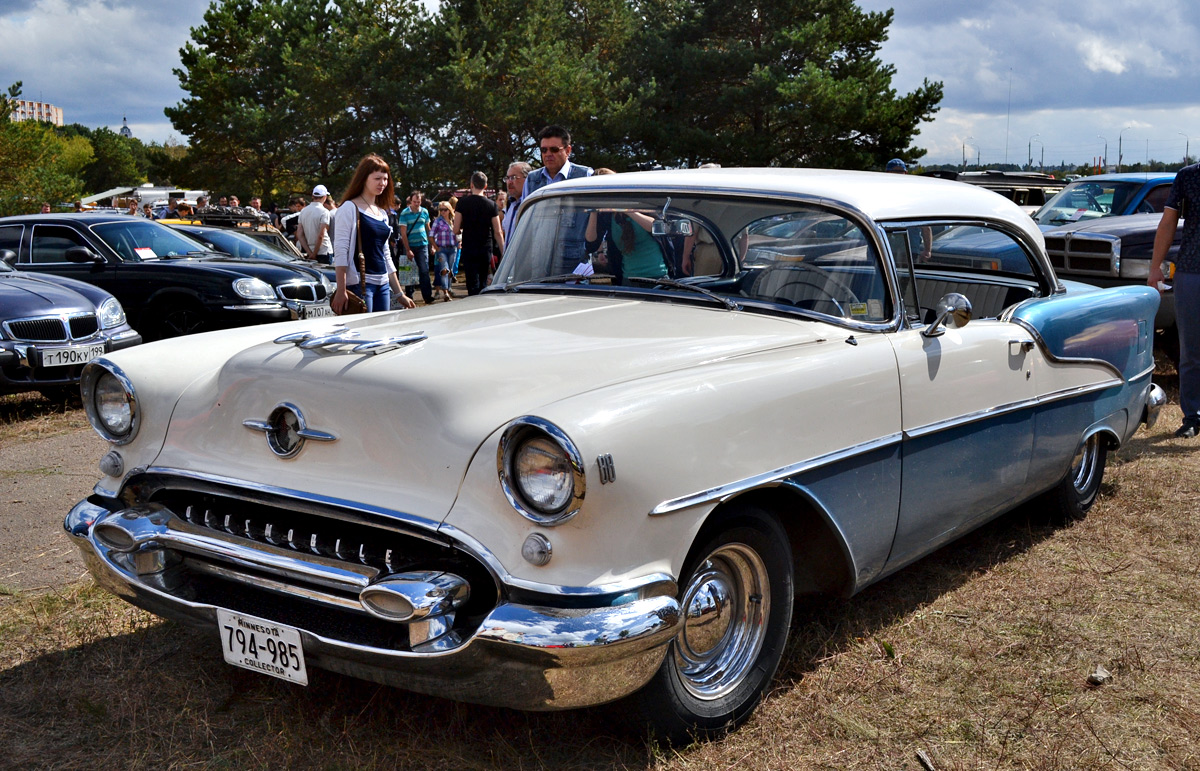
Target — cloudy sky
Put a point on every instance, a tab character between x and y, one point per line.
1068	73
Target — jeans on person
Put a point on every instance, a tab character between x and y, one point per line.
445	261
378	297
421	259
1187	322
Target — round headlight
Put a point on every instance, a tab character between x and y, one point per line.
111	314
113	409
543	474
541	471
254	289
108	398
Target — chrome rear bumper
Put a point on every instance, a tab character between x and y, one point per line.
520	656
1155	399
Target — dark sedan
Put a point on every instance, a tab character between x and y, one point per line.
169	283
50	327
246	244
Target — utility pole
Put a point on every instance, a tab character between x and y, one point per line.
1104	162
1120	155
1029	152
1187	145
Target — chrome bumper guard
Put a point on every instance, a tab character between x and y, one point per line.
1155	399
520	656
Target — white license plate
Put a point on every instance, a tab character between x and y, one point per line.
65	357
315	311
262	646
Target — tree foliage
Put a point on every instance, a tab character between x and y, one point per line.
286	93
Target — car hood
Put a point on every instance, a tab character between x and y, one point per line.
28	295
408	422
271	271
1129	224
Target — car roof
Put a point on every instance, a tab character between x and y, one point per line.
878	195
88	218
1128	176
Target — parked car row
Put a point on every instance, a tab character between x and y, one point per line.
771	385
164	280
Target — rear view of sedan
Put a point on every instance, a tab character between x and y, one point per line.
50	327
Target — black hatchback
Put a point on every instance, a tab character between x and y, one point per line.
169	283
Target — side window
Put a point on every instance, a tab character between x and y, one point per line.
987	265
50	243
1155	200
10	237
816	260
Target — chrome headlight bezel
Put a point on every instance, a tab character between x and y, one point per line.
110	313
518	438
98	380
254	289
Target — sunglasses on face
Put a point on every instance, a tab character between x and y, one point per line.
551	150
515	177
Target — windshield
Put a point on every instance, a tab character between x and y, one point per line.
772	254
1087	199
238	244
137	240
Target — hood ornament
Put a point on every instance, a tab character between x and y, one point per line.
339	338
287	430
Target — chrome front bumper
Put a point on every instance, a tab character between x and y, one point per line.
521	656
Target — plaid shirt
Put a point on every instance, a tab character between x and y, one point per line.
443	234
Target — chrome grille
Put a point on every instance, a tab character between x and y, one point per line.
306	533
84	326
304	292
1083	254
38	330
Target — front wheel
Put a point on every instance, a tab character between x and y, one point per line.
736	603
174	318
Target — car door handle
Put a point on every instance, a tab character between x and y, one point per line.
1025	346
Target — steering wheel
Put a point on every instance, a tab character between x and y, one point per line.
812	286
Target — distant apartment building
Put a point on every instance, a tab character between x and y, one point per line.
26	110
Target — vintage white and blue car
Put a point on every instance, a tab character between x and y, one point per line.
687	398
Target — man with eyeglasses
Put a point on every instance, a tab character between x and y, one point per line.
554	143
517	172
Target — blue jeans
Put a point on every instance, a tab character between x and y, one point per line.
378	297
421	258
445	261
1187	321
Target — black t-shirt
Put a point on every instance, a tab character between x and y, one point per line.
477	213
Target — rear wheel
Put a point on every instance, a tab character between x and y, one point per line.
1073	497
736	604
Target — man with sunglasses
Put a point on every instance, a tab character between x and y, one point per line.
554	143
518	171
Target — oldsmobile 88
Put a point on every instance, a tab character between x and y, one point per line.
687	398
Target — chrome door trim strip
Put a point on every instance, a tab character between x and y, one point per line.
1004	409
772	478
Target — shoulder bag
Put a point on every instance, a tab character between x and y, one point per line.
354	302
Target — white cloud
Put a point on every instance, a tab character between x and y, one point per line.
99	60
1099	56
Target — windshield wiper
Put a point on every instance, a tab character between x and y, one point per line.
729	304
561	278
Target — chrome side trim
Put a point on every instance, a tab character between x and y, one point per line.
1004	409
1061	360
772	478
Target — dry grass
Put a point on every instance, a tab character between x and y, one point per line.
976	657
32	416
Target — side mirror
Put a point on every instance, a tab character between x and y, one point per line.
82	254
9	256
953	310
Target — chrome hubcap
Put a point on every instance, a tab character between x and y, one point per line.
726	606
1083	467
